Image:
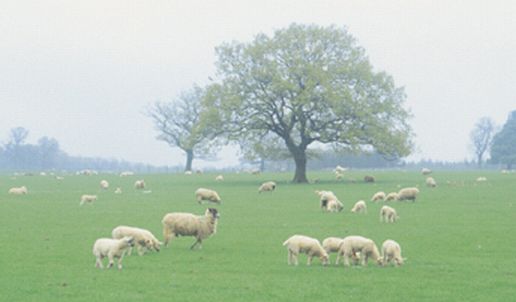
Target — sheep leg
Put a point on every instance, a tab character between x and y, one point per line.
98	263
198	241
120	261
309	260
289	258
346	259
111	260
338	258
167	236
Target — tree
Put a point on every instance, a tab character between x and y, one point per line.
179	123
308	84
18	136
503	149
481	137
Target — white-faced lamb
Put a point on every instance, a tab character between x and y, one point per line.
207	194
359	207
18	190
304	244
186	224
268	186
352	245
143	239
378	196
111	248
388	214
87	198
391	252
408	194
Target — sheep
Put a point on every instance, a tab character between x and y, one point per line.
392	196
18	190
207	194
333	205
118	190
303	244
325	196
378	196
126	173
339	169
104	184
369	178
481	179
408	194
188	172
143	239
139	184
219	178
391	252
359	207
268	186
186	224
111	248
87	198
430	182
339	176
388	214
426	171
352	245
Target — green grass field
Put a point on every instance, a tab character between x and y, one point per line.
459	240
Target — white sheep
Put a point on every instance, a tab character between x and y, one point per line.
369	178
340	170
111	248
104	184
339	176
143	239
481	179
392	196
391	252
18	190
304	244
324	197
219	178
333	205
388	214
87	198
186	224
139	184
268	186
188	172
426	171
118	190
207	194
408	194
126	173
352	245
378	196
430	182
359	207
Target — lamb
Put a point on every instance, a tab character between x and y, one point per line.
143	239
219	178
268	186
430	182
18	190
392	196
186	224
304	244
333	205
352	245
408	194
207	194
104	184
87	198
369	178
391	252
139	184
388	214
378	196
359	207
111	248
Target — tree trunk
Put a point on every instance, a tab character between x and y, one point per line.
479	160
300	160
189	160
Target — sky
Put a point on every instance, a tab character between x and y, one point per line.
83	72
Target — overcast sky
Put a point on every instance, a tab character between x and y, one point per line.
84	71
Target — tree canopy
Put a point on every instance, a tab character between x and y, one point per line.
503	149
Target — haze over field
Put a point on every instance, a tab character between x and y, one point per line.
84	72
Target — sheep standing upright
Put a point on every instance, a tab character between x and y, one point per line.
18	190
111	248
388	214
391	252
139	184
187	224
408	194
143	239
352	245
104	184
87	198
304	244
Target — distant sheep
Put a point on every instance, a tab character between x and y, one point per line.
378	196
207	194
186	224
324	197
143	239
369	178
333	205
104	184
111	248
359	207
352	245
391	252
339	176
408	194
481	179
304	244
139	184
268	186
430	182
188	172
118	190
392	196
18	190
388	214
340	170
219	178
126	173
426	171
87	198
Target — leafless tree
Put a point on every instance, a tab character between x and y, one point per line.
481	137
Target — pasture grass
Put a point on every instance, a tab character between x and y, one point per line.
458	238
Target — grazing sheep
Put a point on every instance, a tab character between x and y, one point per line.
18	190
143	239
139	184
339	169
118	190
186	224
392	196
408	194
219	178
426	171
339	176
87	198
359	207
207	194
104	184
333	205
126	173
256	172
391	252
352	245
188	172
430	182
369	178
378	196
59	177
388	214
111	248
268	186
304	244
325	196
481	179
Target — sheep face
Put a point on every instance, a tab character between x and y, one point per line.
213	212
324	259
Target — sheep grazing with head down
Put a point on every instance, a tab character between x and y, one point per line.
352	245
18	190
426	171
408	194
219	178
304	244
359	207
388	214
391	252
333	205
207	194
324	196
340	170
87	198
430	182
186	224
268	186
139	184
392	196
369	178
143	239
118	190
378	196
111	248
104	184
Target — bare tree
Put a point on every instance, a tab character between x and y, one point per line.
481	137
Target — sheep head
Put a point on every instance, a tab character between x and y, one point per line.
212	212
